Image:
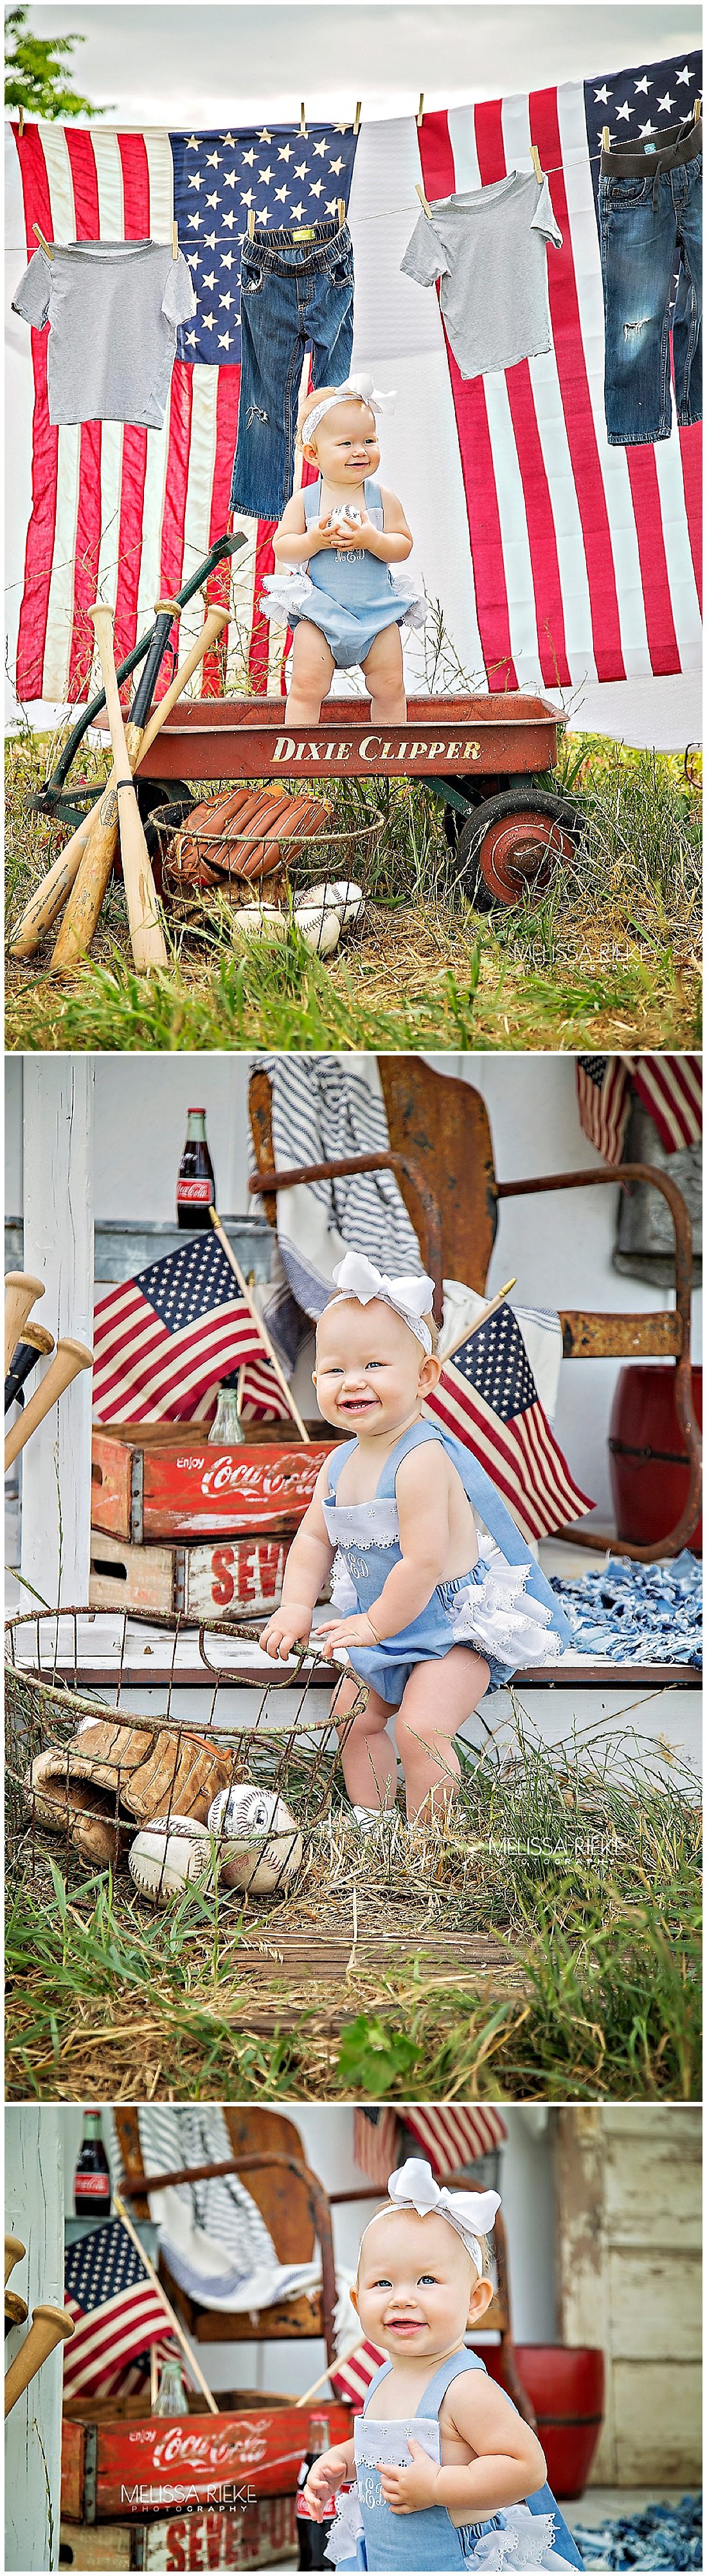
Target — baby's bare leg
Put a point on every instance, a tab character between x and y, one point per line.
434	1704
367	1757
383	674
312	666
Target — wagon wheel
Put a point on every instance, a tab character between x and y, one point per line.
514	841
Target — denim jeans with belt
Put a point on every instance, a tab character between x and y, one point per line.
294	296
650	217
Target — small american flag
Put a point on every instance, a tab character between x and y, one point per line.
116	2312
163	1339
262	1399
488	1397
670	1086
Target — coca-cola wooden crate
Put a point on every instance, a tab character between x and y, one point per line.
224	2462
234	1579
261	2536
179	1486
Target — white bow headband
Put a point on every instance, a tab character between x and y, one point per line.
470	2213
410	1298
360	388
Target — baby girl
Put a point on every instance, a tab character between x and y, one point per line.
447	2473
427	1613
341	536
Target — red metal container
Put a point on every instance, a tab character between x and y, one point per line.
649	1481
565	2384
248	738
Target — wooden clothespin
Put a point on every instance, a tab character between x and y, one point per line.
419	192
357	118
251	222
696	112
45	244
605	139
175	242
341	211
302	120
20	123
421	108
537	163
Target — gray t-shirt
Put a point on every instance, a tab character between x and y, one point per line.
113	309
488	247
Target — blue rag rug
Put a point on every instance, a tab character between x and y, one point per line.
637	1614
666	2535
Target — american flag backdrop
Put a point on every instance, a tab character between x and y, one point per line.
557	560
488	1397
116	2313
669	1086
163	1340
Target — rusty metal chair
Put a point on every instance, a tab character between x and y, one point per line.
269	2153
442	1154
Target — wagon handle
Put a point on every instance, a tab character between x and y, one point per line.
261	1184
689	1516
44	802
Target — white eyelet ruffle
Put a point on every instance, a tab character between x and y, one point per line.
343	1597
496	1614
526	2540
347	2527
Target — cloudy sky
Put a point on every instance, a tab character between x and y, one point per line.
181	61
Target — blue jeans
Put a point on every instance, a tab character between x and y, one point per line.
294	296
650	217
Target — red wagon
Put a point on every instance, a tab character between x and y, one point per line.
483	756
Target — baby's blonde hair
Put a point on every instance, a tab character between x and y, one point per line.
336	1298
322	393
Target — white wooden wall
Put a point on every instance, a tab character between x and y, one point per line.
34	2211
628	2182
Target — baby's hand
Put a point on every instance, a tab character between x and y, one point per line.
288	1628
327	2474
335	1633
410	2490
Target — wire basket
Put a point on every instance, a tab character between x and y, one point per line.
147	1769
328	873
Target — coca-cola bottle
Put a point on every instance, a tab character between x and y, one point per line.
196	1187
92	2176
312	2536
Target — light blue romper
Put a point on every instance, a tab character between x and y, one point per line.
356	595
429	2538
367	1539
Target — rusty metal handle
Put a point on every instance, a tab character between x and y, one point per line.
689	1516
261	1184
136	2187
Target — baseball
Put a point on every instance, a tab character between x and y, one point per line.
172	1853
266	1843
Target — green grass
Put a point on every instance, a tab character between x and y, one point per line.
583	1867
608	956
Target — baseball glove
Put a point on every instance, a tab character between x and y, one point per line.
111	1776
229	840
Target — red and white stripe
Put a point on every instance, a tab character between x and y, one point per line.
670	1086
452	2134
107	2339
375	2144
521	1456
142	1373
557	559
351	2379
262	1395
604	1107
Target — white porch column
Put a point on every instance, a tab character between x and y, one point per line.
58	1248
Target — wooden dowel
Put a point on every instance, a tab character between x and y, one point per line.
49	2327
177	2329
175	242
419	192
421	108
490	1309
341	2357
260	1327
537	163
357	118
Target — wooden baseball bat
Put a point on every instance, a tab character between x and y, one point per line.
21	1291
15	2310
49	2327
69	1358
14	2252
96	858
48	898
177	2329
36	1344
146	934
